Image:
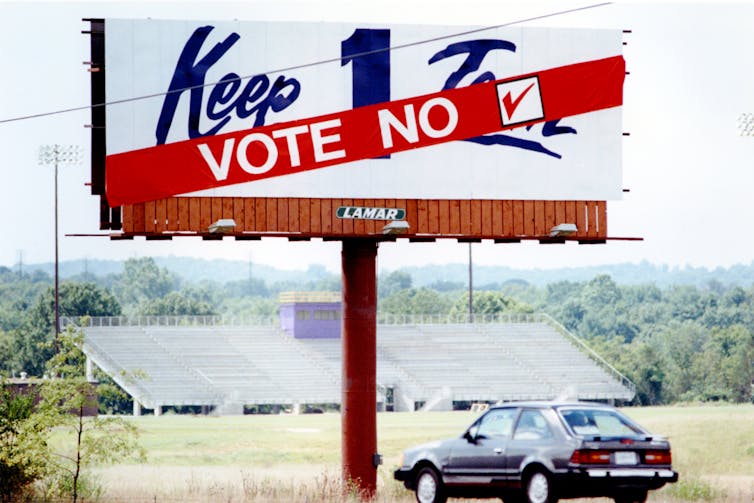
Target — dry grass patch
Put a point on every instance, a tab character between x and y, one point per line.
287	458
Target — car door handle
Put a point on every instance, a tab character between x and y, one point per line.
498	450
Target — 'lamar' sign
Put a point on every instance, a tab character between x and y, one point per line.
514	113
371	213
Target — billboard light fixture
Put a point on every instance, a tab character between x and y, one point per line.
396	227
222	226
563	230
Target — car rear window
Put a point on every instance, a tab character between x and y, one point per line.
599	422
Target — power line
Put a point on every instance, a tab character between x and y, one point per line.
304	65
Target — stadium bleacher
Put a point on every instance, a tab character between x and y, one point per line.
430	364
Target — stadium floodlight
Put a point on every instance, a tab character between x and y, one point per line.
58	155
222	226
396	227
563	230
746	124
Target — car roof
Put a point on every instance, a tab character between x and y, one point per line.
552	405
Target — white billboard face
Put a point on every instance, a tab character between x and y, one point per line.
357	111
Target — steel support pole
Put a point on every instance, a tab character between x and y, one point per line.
359	403
57	275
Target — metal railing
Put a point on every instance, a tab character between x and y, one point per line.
459	318
170	321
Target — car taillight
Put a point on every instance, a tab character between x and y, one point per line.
658	458
590	457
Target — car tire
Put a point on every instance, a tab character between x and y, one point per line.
639	496
429	488
538	487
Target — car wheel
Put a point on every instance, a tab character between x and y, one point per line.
429	487
632	497
538	488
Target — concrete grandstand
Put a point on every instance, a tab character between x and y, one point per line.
428	363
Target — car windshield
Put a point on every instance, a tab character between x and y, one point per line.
594	422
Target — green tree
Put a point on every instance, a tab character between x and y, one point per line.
33	345
176	304
23	449
725	370
415	301
393	283
489	303
142	280
91	440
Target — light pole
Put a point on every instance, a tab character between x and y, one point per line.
58	155
471	288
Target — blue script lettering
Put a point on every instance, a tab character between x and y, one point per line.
475	51
257	96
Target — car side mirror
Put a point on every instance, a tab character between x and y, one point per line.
469	437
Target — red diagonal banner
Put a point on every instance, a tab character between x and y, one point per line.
363	133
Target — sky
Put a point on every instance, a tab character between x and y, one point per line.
689	171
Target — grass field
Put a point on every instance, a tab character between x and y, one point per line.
297	458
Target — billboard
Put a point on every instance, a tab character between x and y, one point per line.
353	111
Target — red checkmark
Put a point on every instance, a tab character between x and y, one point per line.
511	106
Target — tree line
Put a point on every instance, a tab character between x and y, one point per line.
677	344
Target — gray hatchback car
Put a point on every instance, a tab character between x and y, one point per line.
539	452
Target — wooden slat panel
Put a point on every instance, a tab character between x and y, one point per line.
358	225
149	213
347	224
217	209
315	215
422	216
260	214
239	213
370	226
433	216
205	214
549	216
528	218
602	218
282	224
559	217
189	213
272	214
304	212
539	218
518	218
249	210
497	218
293	209
486	217
138	217
444	216
412	214
581	221
570	215
227	211
591	219
508	219
160	215
466	218
327	214
172	214
474	219
337	223
128	218
455	216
